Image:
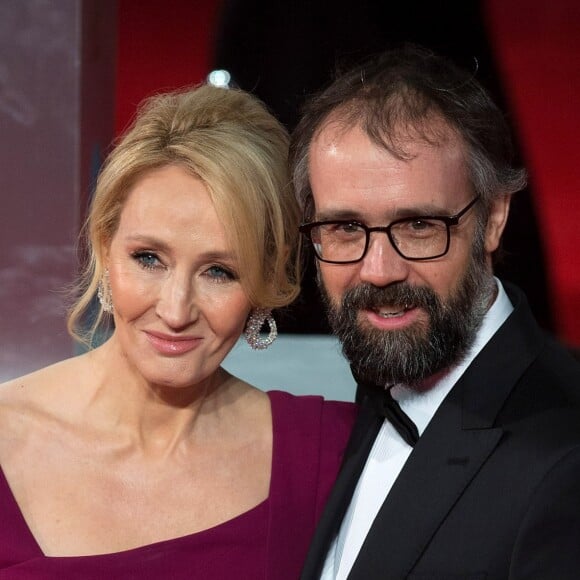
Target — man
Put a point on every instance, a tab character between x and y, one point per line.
403	169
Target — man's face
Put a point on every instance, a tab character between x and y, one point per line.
400	320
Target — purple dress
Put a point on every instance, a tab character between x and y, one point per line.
267	542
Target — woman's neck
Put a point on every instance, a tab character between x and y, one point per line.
148	418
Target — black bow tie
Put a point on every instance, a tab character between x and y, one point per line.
387	407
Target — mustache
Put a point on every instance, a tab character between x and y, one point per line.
369	297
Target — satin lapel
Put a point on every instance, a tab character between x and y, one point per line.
457	442
361	440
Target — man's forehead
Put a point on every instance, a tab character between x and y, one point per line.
399	140
333	132
349	171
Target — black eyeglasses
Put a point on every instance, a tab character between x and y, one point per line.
414	238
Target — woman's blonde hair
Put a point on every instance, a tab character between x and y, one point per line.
229	140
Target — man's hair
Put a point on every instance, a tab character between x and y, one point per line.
404	95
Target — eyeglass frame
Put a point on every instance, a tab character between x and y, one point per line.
449	221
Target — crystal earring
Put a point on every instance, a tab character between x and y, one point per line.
253	326
104	293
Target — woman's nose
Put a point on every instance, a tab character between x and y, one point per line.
176	301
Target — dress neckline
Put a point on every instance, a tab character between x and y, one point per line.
18	518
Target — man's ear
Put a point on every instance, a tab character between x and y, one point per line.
498	214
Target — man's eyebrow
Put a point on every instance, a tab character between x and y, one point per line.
420	211
340	214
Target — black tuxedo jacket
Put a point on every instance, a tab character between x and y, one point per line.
492	488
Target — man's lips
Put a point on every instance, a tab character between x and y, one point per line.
391	311
391	317
168	344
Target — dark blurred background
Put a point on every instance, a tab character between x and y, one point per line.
286	51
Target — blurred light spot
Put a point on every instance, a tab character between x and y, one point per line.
219	78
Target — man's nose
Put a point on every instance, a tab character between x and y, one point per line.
382	264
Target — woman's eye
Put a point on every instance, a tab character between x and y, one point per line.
147	260
220	274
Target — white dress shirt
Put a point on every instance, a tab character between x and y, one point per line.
390	452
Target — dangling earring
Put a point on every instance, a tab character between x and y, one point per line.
104	293
255	322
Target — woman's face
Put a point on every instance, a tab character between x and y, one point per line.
178	303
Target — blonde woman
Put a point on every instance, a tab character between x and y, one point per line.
144	458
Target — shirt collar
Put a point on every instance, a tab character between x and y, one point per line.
421	406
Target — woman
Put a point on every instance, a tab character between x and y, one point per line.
143	458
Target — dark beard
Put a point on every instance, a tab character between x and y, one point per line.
412	354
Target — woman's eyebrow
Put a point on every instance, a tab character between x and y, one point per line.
147	240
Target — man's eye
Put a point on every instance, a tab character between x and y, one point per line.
420	228
420	225
343	228
424	225
350	228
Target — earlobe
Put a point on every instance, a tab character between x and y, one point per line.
496	222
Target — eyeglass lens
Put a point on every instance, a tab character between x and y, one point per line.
413	238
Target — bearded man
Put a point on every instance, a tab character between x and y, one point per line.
465	461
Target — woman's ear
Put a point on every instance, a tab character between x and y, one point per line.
104	252
498	214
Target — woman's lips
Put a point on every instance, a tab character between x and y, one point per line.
171	345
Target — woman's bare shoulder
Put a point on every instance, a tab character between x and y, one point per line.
28	398
27	385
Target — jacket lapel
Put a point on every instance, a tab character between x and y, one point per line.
441	465
457	442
